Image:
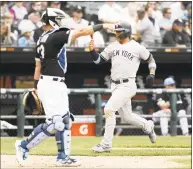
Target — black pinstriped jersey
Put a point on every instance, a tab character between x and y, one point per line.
166	98
51	52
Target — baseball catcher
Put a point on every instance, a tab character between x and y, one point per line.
49	84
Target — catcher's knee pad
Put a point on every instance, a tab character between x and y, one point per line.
60	123
55	124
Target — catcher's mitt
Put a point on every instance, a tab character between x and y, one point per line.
32	104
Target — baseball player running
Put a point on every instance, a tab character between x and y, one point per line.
49	84
125	55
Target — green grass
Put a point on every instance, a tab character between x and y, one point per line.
82	146
185	162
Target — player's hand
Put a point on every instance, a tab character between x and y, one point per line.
150	80
91	45
167	110
110	27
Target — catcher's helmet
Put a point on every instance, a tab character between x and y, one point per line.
32	104
125	27
54	17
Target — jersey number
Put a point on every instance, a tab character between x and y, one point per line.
41	51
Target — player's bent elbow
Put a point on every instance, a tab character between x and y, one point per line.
82	32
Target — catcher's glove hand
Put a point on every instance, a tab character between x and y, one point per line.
32	104
150	80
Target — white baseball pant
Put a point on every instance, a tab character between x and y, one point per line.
164	120
120	101
54	96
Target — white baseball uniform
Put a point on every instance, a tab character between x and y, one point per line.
125	60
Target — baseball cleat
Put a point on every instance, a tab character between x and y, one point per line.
67	162
152	135
100	148
21	153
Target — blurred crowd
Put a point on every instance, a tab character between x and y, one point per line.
153	23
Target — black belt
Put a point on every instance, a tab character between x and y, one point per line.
120	81
55	79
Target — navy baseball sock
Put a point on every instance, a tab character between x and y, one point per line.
24	144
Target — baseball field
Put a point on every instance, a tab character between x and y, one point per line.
128	152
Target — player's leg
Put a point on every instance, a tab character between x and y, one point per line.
183	122
110	122
164	122
118	131
39	133
119	97
63	138
157	116
55	103
146	125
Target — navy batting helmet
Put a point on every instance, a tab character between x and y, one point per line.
125	27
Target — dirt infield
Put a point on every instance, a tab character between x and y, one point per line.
9	161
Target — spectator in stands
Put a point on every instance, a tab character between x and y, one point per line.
179	10
36	7
25	24
5	9
44	5
35	17
188	29
34	21
20	10
149	11
165	4
110	12
8	19
26	39
145	28
165	24
129	14
77	20
6	36
163	103
156	13
55	4
189	9
176	36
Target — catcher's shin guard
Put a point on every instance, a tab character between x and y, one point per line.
39	134
63	139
